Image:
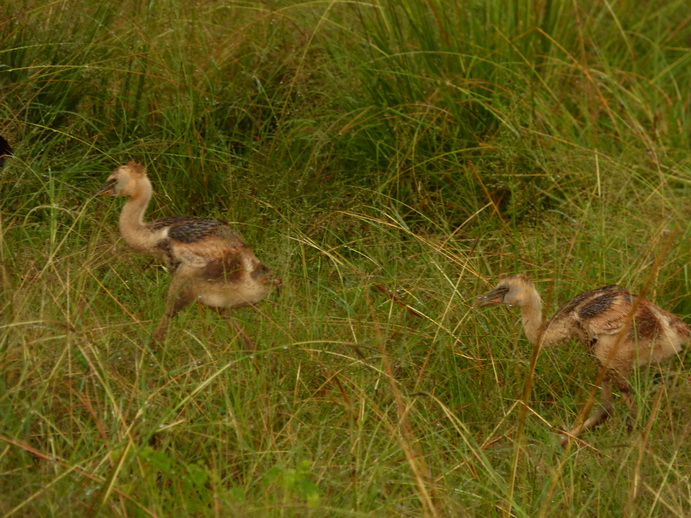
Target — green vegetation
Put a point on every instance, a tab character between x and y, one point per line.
390	159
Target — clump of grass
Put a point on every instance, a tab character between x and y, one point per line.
389	160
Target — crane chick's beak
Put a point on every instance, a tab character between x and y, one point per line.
496	296
107	189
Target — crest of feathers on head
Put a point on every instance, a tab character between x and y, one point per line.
136	168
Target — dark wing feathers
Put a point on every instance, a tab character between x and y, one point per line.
167	222
189	230
198	242
607	310
597	303
577	303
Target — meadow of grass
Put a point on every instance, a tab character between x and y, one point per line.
390	160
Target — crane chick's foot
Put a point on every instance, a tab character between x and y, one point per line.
241	332
564	439
157	339
596	418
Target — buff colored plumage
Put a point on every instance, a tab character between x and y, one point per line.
619	329
208	260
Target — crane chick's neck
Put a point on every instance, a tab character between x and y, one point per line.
132	226
531	316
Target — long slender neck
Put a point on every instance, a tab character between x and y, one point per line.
132	227
531	316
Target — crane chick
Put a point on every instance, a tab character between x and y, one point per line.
207	259
619	329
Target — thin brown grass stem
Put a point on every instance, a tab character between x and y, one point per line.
405	434
70	468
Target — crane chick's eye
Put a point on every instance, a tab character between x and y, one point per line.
501	291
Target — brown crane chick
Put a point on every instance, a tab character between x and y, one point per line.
207	259
619	329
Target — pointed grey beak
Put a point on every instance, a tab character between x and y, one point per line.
107	189
496	296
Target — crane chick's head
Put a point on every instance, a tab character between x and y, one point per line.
514	291
123	181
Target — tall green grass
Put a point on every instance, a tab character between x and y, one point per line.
390	160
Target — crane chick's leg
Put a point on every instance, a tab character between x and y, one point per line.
179	296
599	416
624	386
225	312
